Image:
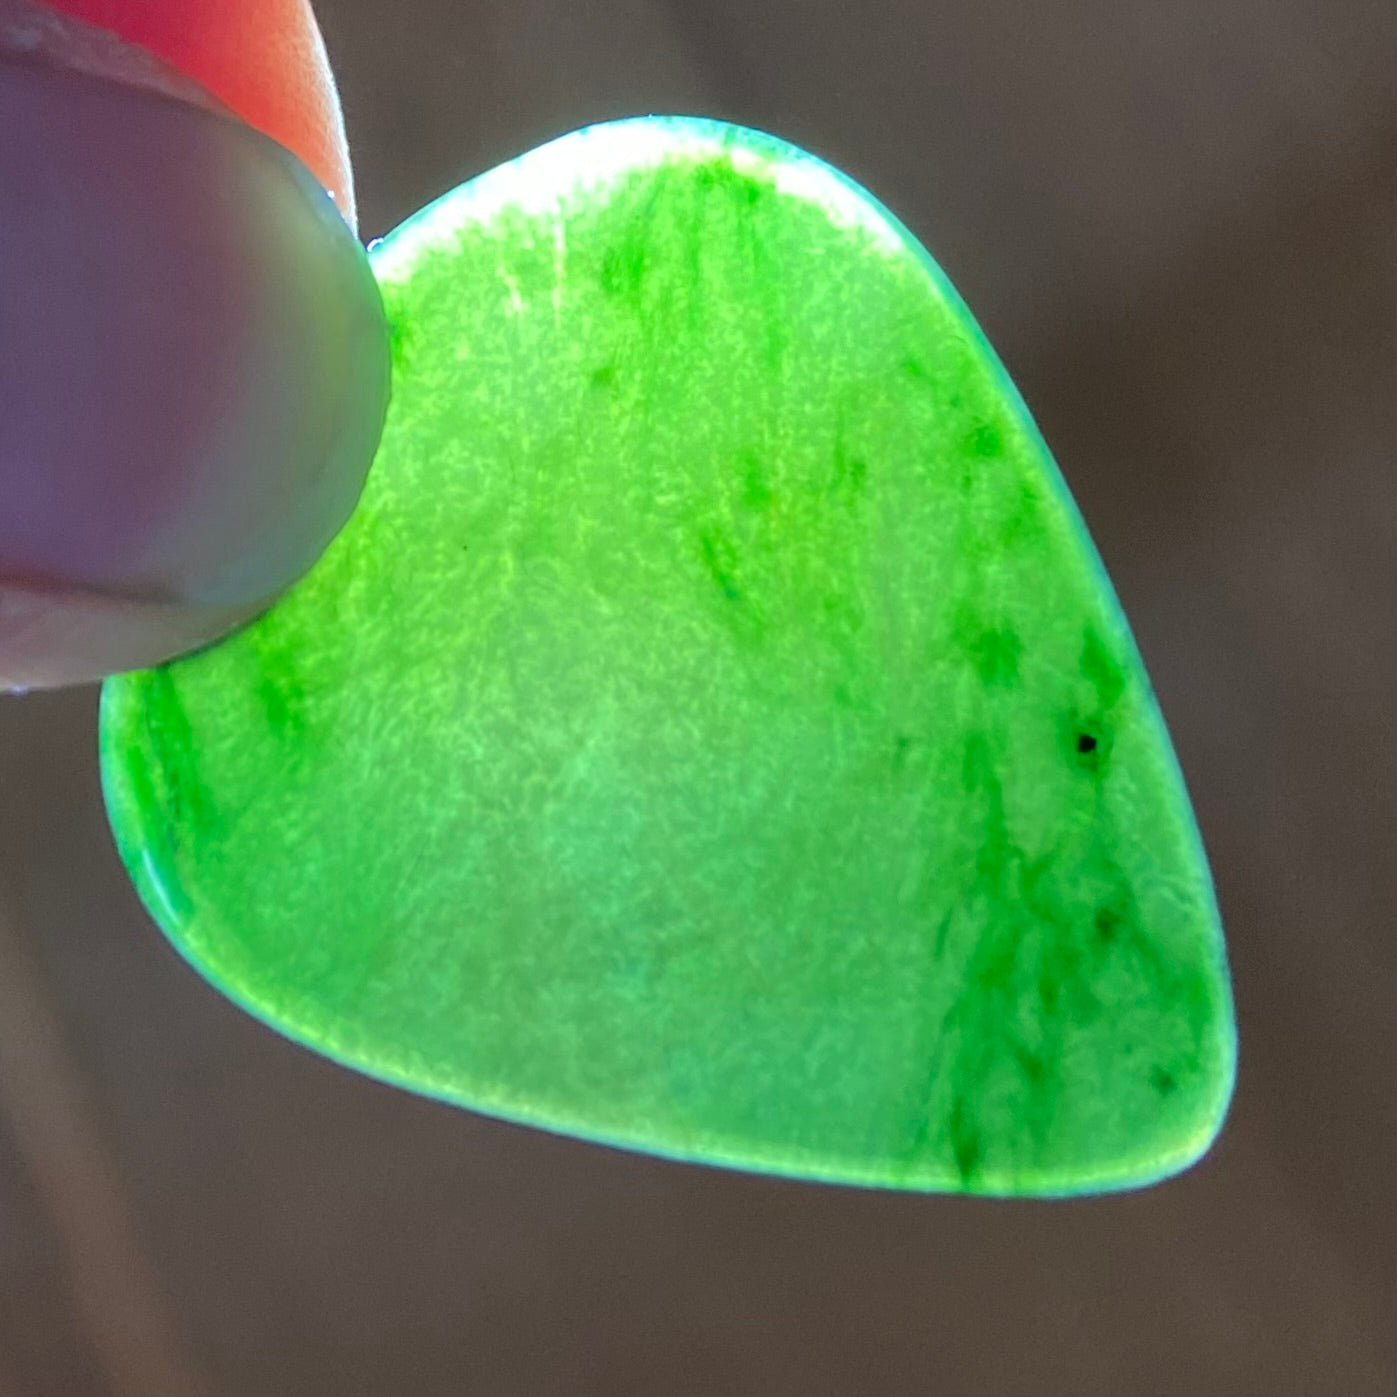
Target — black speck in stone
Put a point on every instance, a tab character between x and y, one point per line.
1088	741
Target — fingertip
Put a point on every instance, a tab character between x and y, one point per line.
194	360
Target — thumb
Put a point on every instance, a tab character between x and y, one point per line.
193	367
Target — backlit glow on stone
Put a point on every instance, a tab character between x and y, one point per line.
714	733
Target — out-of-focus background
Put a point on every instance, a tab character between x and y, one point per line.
1175	222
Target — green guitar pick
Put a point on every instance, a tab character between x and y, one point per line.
714	733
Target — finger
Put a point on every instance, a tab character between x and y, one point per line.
193	374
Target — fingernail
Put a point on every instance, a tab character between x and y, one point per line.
194	372
33	33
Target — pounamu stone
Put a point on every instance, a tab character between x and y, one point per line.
714	734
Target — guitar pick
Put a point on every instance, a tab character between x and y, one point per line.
714	733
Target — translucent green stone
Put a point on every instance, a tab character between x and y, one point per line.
714	733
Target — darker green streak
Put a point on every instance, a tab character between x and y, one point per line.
756	488
986	440
720	560
188	805
1101	669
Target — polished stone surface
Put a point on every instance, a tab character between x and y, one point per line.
715	732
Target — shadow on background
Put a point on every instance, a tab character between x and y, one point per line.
1176	225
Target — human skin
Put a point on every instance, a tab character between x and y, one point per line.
193	351
263	59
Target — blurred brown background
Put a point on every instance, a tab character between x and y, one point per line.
1175	222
